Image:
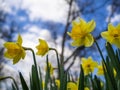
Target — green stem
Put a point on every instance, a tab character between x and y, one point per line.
34	59
61	70
9	77
99	51
58	62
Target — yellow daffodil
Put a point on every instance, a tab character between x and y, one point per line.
42	47
112	35
88	65
86	88
101	83
72	86
43	84
81	33
57	82
100	70
114	72
50	68
15	50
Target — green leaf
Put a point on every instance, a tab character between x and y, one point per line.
114	60
47	76
24	85
40	79
13	87
31	83
81	80
96	83
34	79
109	76
118	84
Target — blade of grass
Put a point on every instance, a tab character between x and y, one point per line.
23	82
81	79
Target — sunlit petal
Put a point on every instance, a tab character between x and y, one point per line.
19	40
91	26
110	27
71	86
77	43
89	40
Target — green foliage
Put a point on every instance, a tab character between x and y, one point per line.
23	82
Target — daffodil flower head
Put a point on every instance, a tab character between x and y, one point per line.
88	65
100	70
72	86
15	50
112	35
86	88
43	84
57	82
42	47
81	33
114	72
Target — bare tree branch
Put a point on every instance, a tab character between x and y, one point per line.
65	31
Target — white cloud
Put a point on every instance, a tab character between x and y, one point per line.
116	18
7	5
54	10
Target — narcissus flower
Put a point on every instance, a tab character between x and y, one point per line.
42	47
81	33
100	70
15	50
43	84
112	35
72	86
86	88
88	65
114	72
57	82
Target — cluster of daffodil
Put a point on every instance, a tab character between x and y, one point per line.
88	79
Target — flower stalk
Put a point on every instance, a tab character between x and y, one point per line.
35	63
9	77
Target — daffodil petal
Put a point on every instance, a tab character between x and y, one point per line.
10	45
6	54
71	86
77	43
89	40
16	59
86	88
106	36
23	54
116	42
110	27
118	27
91	26
74	23
19	40
57	82
82	21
